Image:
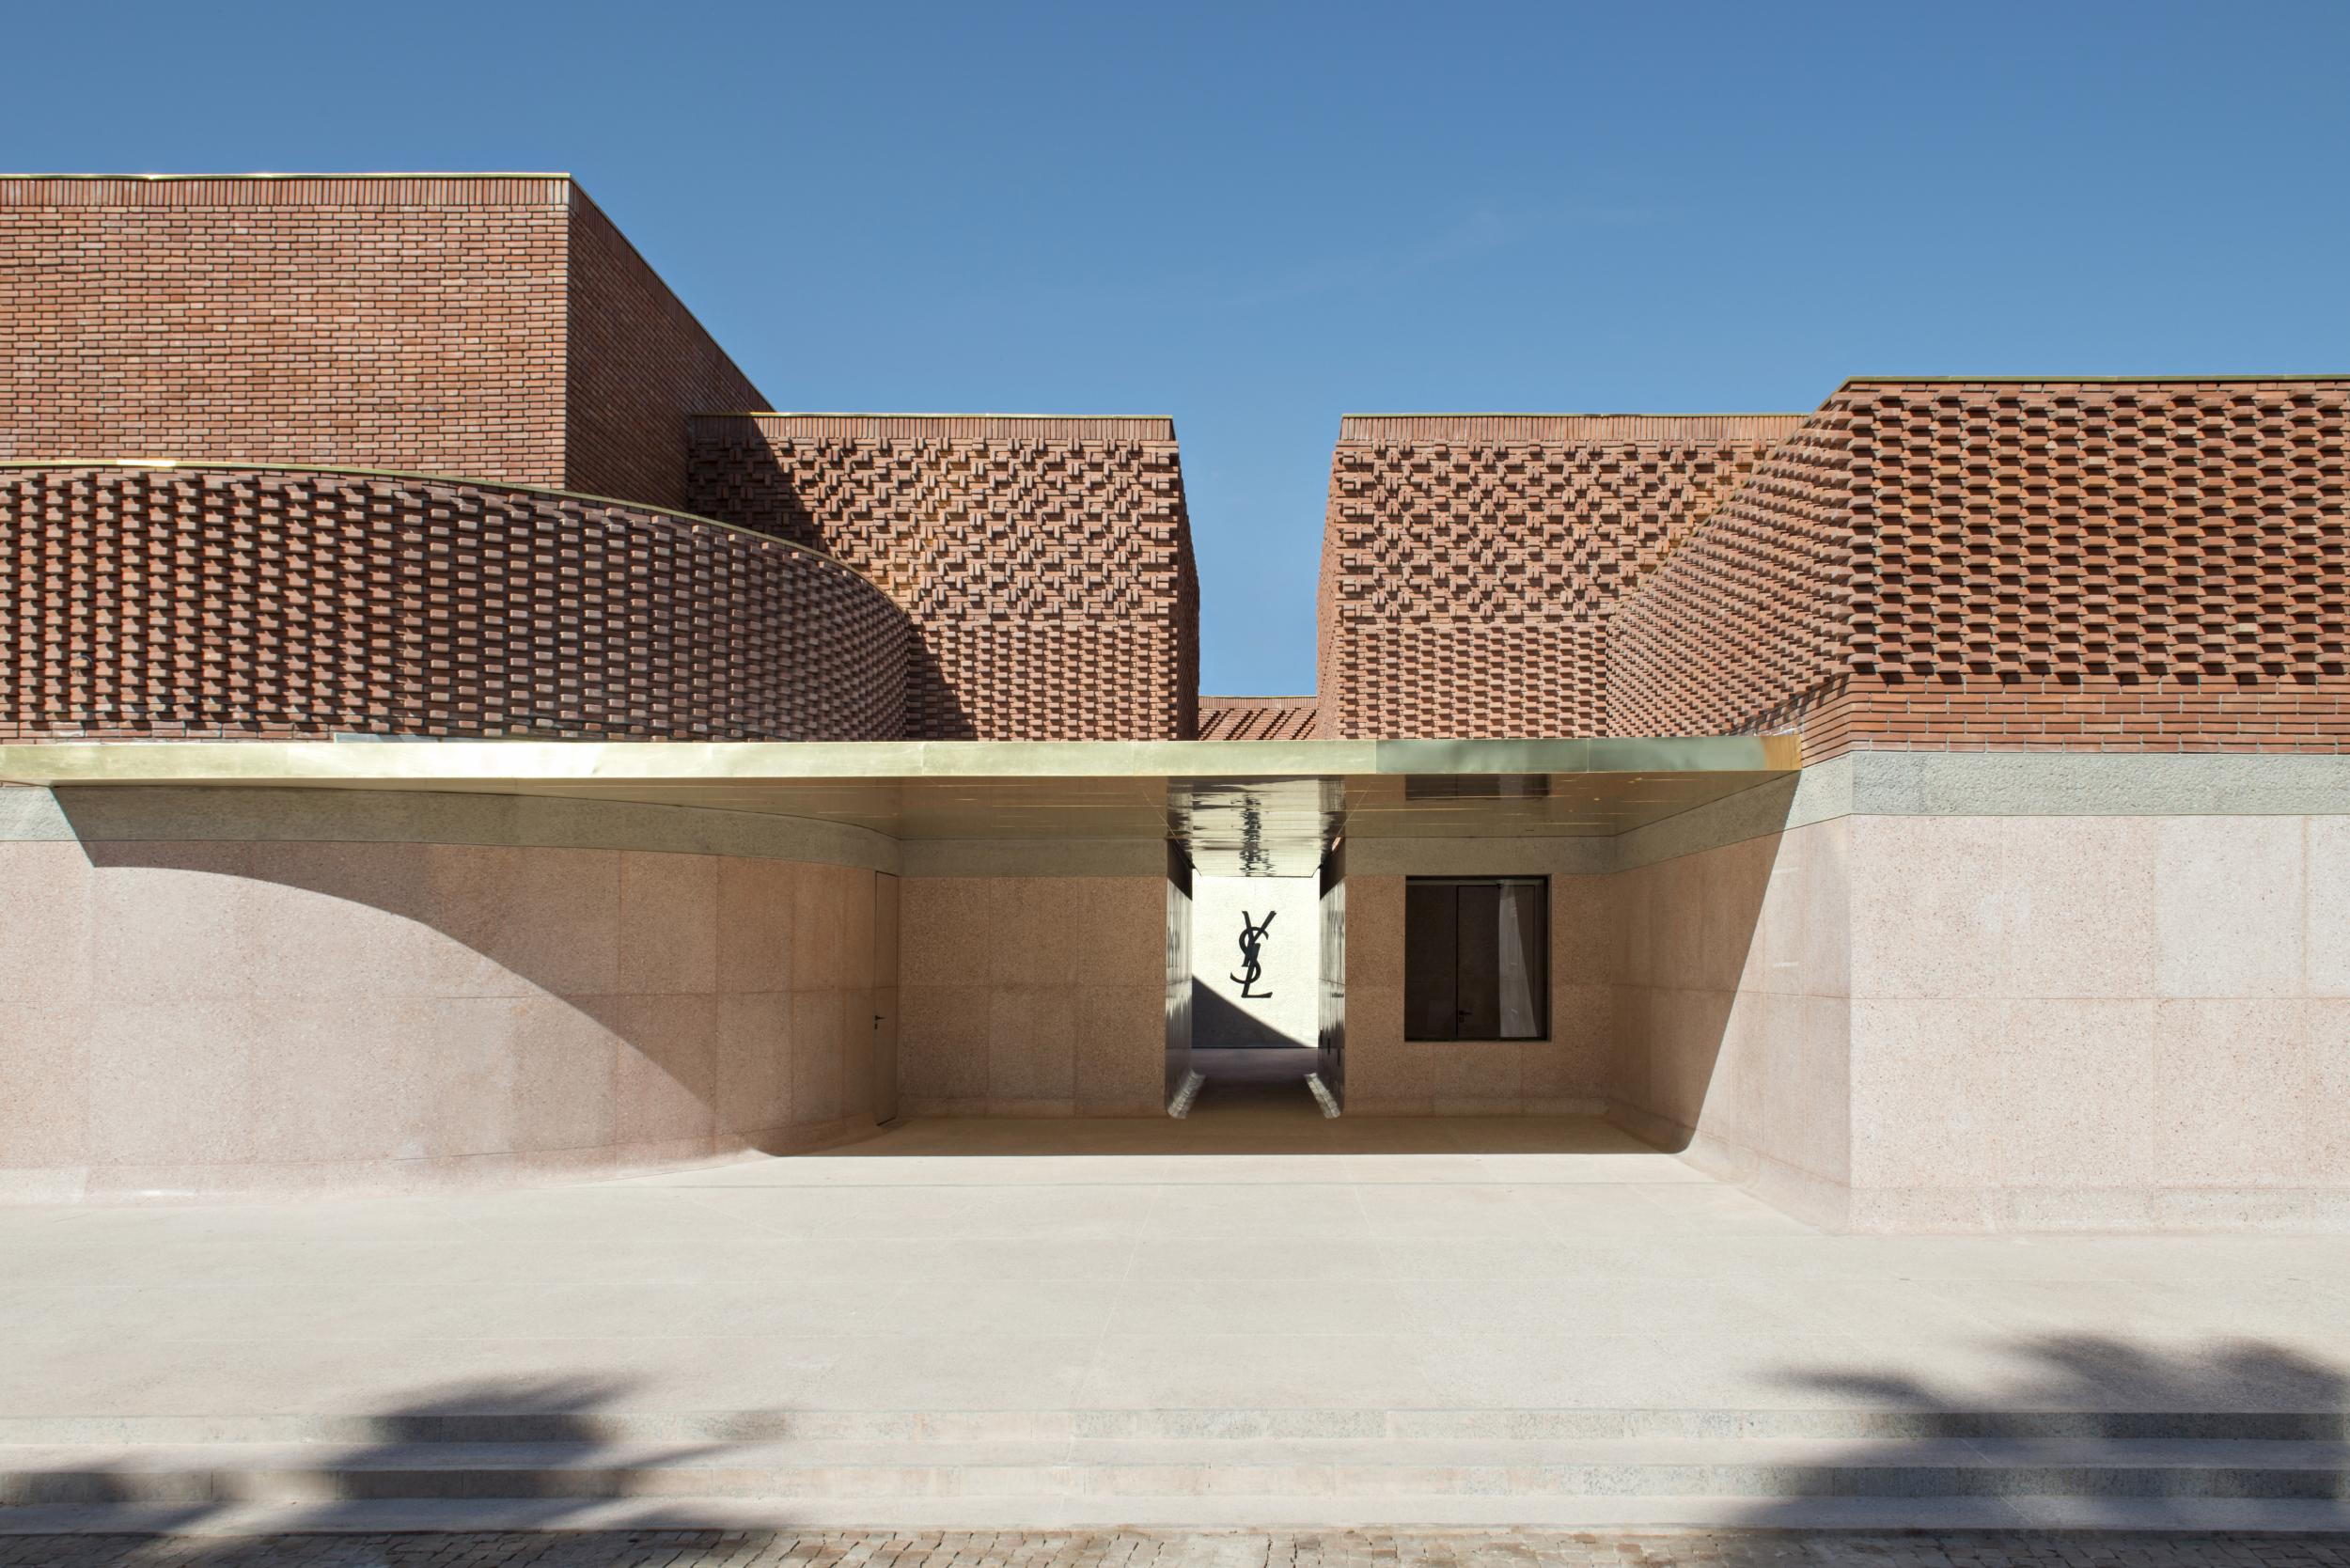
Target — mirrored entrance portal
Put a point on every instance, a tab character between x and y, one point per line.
1258	857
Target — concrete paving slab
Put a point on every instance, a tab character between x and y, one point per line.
1487	1281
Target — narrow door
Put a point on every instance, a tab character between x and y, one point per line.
885	996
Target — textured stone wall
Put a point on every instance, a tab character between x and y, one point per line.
1032	996
212	1015
494	328
198	603
2100	1023
1733	1018
1045	564
2124	566
1470	562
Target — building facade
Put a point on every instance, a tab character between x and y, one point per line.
454	732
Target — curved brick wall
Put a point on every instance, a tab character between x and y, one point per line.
2119	565
232	603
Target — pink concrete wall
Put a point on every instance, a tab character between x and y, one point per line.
215	1016
1567	1074
1032	996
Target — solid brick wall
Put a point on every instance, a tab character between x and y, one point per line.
2126	565
482	327
358	324
1470	561
253	604
639	365
1045	563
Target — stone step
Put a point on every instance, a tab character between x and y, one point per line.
741	1426
1124	1470
1235	1512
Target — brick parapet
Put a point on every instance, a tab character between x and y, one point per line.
1470	561
1258	718
255	603
1045	563
2116	565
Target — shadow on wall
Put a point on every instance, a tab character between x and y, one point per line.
1698	1025
442	1002
2073	1419
1216	1022
770	501
934	710
572	1465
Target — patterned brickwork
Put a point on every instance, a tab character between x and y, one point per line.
1257	719
205	604
493	326
1045	564
1755	603
1470	562
2116	565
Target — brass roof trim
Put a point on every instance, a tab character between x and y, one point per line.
457	762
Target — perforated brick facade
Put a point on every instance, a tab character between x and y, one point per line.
2123	565
1045	563
201	603
1470	562
495	327
1257	719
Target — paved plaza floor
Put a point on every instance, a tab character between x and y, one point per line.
1249	1261
1008	1287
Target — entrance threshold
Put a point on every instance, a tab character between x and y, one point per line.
1258	1078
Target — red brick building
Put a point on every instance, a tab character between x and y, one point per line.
370	374
1649	776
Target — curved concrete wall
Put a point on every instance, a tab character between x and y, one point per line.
190	1005
233	603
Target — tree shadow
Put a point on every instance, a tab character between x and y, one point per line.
547	1449
2095	1421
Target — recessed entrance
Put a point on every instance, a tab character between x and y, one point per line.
1263	940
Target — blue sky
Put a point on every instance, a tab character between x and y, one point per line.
1257	217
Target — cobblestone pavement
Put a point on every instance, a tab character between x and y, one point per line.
1177	1549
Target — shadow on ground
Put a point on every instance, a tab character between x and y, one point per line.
2074	1419
462	1441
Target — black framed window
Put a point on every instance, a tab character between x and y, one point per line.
1476	958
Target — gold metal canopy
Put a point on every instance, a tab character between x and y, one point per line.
1300	793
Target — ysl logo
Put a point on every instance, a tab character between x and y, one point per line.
1251	939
